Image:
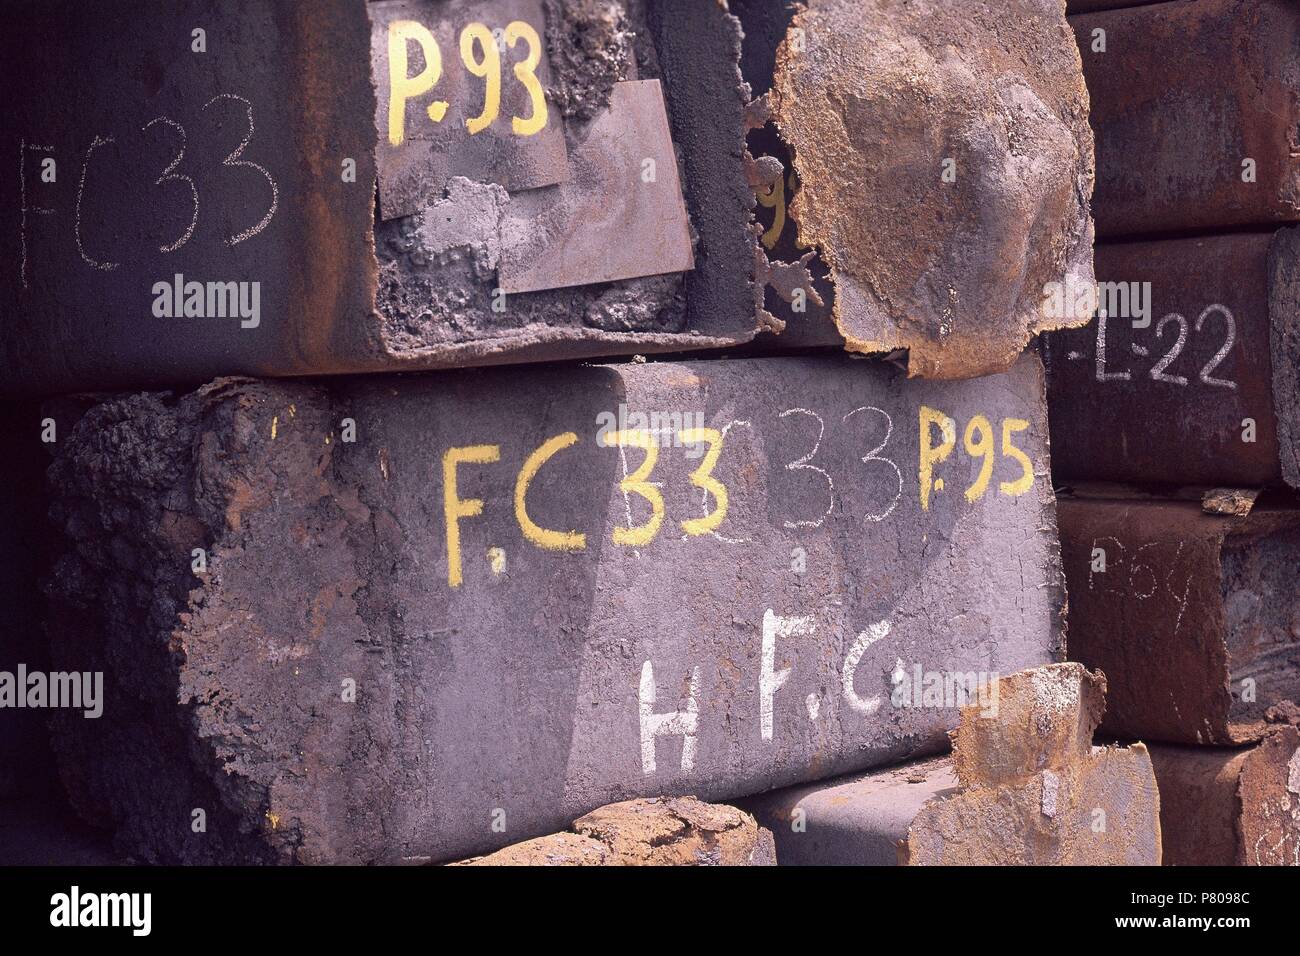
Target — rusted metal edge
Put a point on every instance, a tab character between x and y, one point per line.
1284	347
1222	807
1028	793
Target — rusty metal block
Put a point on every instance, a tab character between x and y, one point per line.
211	204
1191	616
1196	108
1222	807
1193	378
549	589
1079	805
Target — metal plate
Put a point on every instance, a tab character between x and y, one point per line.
414	173
621	216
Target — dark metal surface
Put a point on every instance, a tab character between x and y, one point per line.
1169	402
1091	6
852	821
1182	95
1188	608
532	685
26	764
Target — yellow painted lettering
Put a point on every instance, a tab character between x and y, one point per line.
983	447
931	456
702	477
402	87
453	508
526	72
1026	481
544	537
774	198
637	483
488	69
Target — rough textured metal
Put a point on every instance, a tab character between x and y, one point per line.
617	219
1049	819
1183	95
267	118
781	264
1207	391
999	808
1042	719
417	171
880	100
1193	620
661	832
1231	807
531	687
699	48
1229	501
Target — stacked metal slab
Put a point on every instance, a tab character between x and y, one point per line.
349	615
1174	415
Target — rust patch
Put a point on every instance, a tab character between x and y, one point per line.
953	271
1229	501
590	47
334	299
